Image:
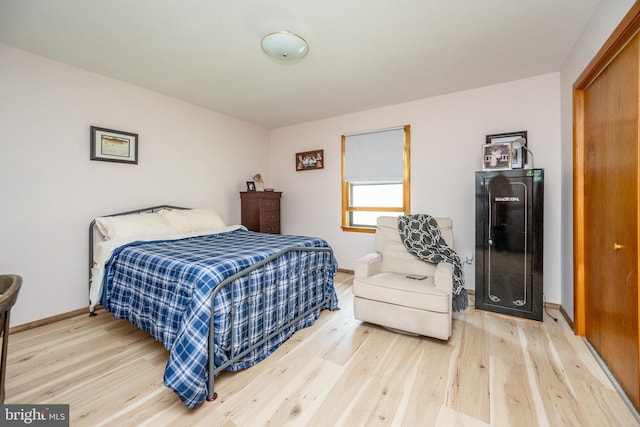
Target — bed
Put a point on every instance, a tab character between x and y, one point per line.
218	297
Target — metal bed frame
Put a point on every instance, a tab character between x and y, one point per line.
318	288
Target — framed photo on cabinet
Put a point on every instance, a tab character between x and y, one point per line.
496	156
518	155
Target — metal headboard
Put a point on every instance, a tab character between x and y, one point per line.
136	211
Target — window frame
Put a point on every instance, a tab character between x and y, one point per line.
406	189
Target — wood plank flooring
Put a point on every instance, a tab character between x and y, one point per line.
494	371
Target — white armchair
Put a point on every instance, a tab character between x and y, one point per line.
385	295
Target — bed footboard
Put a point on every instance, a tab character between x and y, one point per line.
302	277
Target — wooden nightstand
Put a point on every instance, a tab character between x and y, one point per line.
260	211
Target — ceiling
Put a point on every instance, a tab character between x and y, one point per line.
362	53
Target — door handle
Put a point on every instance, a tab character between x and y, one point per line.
617	246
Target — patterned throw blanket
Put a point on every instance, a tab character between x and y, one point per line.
422	238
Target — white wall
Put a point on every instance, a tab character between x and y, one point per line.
447	133
51	190
606	17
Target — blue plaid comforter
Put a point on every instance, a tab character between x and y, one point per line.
165	288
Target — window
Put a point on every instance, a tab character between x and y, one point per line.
375	177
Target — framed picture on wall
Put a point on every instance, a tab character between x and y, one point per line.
496	156
110	145
310	160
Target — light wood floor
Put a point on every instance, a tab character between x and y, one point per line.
495	370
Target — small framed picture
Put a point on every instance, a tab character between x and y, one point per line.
518	155
110	145
251	186
496	156
310	160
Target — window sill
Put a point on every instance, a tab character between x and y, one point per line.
359	229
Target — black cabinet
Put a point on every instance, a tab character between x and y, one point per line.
509	226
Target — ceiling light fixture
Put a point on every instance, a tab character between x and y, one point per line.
284	45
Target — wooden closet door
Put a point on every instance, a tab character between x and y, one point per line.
611	217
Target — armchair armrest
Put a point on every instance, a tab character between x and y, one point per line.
443	278
368	265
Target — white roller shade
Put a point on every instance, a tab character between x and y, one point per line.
376	156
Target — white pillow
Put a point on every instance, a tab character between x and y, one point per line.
142	224
190	220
